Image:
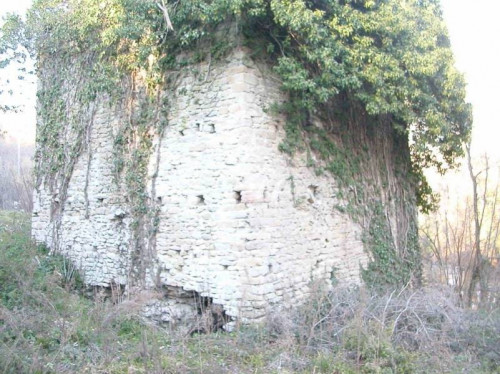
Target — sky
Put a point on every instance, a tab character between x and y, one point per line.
474	31
20	126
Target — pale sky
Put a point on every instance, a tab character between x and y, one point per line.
18	125
474	32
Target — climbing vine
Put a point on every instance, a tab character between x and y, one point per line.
387	56
388	267
388	60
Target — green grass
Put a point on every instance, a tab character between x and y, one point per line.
48	325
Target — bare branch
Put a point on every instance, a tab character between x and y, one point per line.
163	8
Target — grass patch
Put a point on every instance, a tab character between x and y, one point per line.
47	325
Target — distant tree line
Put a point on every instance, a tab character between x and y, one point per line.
16	183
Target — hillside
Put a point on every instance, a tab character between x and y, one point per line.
48	324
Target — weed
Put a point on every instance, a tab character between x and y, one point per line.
47	325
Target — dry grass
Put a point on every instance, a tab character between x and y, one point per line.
399	332
48	326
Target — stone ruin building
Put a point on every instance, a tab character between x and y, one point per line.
230	220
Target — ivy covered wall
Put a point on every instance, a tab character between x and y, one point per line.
372	97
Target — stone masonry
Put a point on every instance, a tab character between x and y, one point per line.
239	222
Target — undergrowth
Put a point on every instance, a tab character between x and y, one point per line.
48	324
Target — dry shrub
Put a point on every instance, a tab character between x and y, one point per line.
400	331
47	325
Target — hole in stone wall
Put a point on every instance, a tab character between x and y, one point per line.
225	267
237	196
100	199
201	200
313	193
198	127
181	132
119	215
159	199
211	128
211	317
314	189
114	292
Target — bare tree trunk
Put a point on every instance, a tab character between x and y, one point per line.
464	242
476	260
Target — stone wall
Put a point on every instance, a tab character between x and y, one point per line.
240	223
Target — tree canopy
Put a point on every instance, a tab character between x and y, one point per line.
390	57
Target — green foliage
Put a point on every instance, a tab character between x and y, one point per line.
11	35
387	267
90	51
25	265
386	59
374	346
392	57
12	238
427	200
46	327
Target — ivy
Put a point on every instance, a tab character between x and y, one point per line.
388	60
388	267
388	56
